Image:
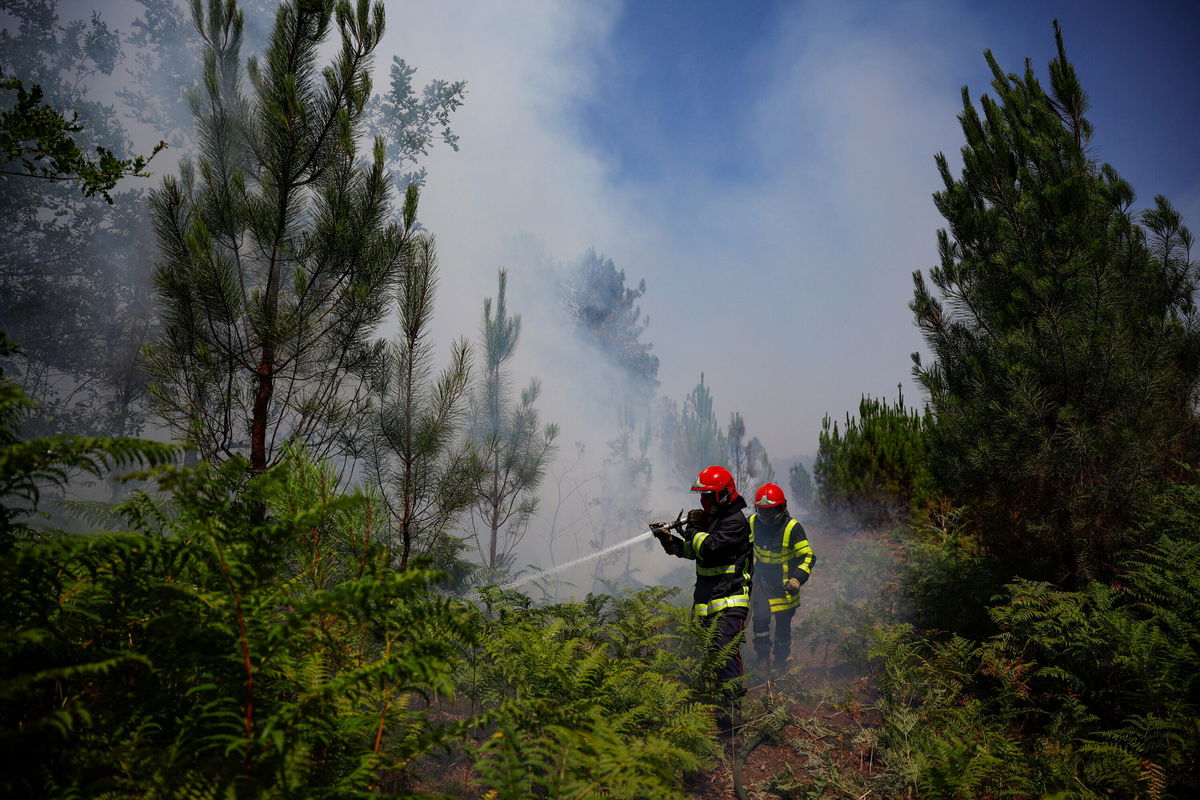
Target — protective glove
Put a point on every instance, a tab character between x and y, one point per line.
698	517
673	545
792	585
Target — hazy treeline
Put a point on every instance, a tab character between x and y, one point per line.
102	298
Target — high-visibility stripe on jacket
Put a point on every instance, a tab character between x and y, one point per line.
722	604
724	563
774	567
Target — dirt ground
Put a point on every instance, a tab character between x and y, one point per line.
812	726
820	728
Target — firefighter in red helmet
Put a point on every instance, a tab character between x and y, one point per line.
717	537
783	560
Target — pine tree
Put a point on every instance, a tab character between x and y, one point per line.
426	471
609	321
515	448
277	252
699	440
801	485
607	317
1064	342
739	454
748	461
873	469
760	468
162	64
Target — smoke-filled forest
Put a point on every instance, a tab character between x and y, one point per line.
273	525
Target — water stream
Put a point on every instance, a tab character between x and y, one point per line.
551	570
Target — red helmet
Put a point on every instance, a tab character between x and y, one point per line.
769	496
717	480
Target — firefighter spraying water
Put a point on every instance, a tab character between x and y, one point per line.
717	537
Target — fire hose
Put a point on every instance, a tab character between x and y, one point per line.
740	762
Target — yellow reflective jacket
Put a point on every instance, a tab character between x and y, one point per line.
781	551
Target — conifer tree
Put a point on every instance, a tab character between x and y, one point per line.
514	447
699	440
739	454
801	485
277	252
609	320
747	461
426	470
760	468
607	317
873	469
1064	343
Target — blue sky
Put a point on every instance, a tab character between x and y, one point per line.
682	76
676	88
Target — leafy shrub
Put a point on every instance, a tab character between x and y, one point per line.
600	693
1082	693
243	637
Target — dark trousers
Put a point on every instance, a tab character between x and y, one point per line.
728	629
762	616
